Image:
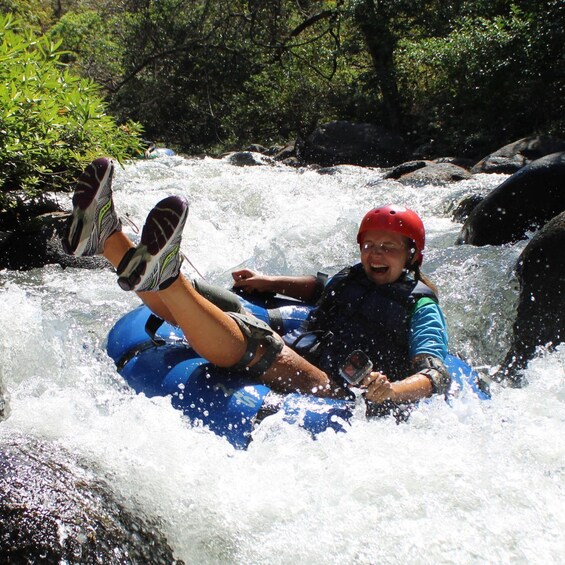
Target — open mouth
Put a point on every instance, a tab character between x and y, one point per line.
379	269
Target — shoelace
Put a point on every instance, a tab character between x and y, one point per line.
131	223
192	265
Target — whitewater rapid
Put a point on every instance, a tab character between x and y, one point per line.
472	483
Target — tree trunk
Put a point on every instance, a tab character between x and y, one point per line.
374	24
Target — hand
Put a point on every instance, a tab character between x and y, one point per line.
378	388
250	281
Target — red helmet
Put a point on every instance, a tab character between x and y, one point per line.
397	219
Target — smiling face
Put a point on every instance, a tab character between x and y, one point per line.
384	255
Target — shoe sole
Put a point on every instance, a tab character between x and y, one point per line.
90	184
144	265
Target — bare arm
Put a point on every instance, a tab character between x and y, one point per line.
430	376
301	288
413	387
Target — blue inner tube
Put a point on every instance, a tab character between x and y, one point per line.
228	402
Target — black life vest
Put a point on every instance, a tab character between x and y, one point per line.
363	315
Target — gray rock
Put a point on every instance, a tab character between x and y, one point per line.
435	174
287	152
464	208
540	316
525	201
459	161
38	242
515	155
405	168
248	159
256	148
54	510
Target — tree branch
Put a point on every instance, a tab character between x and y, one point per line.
311	21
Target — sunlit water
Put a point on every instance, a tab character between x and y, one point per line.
478	482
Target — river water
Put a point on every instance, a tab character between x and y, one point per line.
480	481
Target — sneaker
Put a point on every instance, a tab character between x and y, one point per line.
93	219
155	263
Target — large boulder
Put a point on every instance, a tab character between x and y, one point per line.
540	317
515	155
30	235
347	143
443	170
435	174
37	242
525	201
54	510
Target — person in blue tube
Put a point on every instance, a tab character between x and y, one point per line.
383	306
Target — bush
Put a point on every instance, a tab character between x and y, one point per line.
51	122
475	88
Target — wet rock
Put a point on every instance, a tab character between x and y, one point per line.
463	209
274	149
292	162
435	174
540	317
463	162
348	143
500	164
525	201
405	168
38	242
515	155
256	148
284	153
248	159
54	510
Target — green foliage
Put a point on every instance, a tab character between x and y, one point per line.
204	75
91	44
294	89
51	122
36	13
485	83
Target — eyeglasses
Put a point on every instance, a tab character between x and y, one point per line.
387	247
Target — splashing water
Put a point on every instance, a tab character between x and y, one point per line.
475	482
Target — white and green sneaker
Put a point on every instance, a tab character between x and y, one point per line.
155	263
93	219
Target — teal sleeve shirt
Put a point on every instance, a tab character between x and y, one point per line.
428	330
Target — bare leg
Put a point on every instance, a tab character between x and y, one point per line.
292	373
217	338
154	266
115	248
215	335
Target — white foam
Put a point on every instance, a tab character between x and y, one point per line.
478	482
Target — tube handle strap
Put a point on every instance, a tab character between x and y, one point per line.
151	326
